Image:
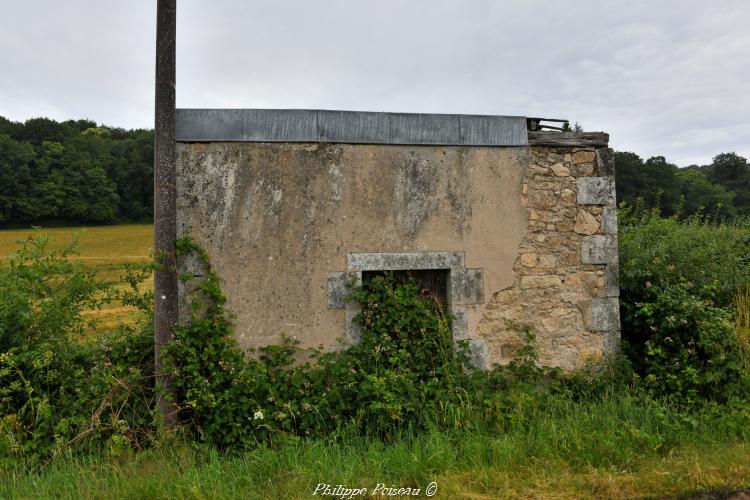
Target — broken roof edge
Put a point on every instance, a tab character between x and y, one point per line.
353	127
368	127
545	138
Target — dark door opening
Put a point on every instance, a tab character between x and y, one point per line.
433	282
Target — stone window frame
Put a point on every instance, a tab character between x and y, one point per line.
465	286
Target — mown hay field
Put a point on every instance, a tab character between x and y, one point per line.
106	249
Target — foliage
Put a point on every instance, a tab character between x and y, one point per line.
699	195
404	382
74	171
405	373
684	345
731	171
677	281
742	323
79	171
57	391
614	446
657	252
721	188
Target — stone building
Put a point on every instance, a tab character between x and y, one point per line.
293	205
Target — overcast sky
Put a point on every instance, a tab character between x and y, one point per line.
661	76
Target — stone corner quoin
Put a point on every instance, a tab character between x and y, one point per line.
566	285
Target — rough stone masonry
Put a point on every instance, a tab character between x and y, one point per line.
296	206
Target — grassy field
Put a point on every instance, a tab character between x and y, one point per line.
105	248
606	449
462	467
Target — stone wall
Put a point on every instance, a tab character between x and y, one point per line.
526	233
286	224
566	272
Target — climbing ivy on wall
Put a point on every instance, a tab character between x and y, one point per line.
406	373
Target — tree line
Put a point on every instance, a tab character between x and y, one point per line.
76	171
721	189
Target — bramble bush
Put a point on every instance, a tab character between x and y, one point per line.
404	374
658	252
678	281
57	389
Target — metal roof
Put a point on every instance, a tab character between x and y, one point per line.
352	127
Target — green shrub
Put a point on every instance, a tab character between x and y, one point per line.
403	369
56	389
742	323
657	252
677	283
683	345
405	374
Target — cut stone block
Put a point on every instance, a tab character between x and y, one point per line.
605	162
466	287
478	353
191	264
612	277
599	249
609	220
611	343
605	314
595	191
353	327
460	324
338	289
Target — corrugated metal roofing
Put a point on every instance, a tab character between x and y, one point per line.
352	127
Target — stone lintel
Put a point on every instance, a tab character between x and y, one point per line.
375	261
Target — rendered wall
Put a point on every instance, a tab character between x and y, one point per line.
528	233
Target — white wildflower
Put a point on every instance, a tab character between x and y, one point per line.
258	415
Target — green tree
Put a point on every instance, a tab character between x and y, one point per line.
731	171
701	195
16	180
74	171
654	182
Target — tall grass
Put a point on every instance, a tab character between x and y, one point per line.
742	322
608	446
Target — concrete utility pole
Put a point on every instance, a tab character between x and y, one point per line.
165	229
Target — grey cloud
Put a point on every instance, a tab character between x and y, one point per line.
663	77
